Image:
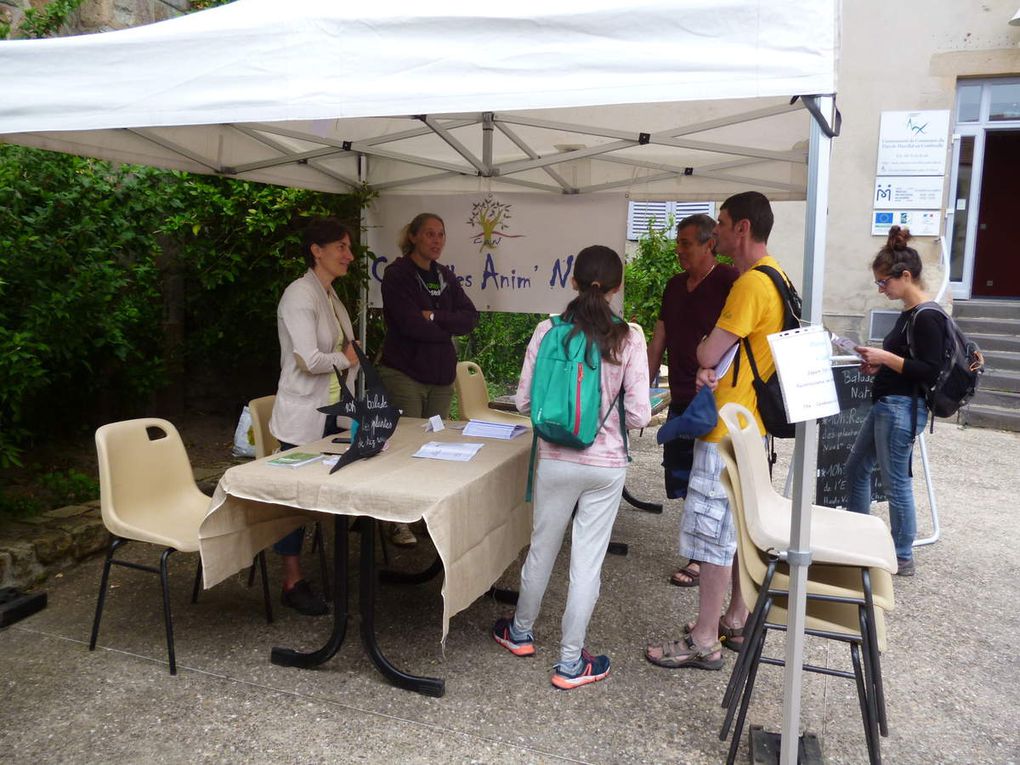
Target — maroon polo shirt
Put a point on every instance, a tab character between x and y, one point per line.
688	317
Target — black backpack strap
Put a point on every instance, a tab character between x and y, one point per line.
750	360
791	305
920	392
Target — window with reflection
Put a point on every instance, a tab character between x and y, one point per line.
962	206
1004	103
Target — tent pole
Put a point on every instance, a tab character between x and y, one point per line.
363	292
805	452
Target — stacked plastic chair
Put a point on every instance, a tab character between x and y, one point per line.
849	584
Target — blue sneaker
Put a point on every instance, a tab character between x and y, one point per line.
518	647
593	669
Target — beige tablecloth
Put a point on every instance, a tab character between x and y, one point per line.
475	511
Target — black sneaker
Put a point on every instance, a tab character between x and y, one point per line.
301	598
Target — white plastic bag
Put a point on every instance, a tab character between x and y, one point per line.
244	436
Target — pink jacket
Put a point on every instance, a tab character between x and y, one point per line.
631	374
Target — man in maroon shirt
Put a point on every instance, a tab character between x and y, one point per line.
691	304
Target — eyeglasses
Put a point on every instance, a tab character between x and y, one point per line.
880	283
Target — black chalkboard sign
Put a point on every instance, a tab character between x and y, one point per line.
836	436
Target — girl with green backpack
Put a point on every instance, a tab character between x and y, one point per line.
583	481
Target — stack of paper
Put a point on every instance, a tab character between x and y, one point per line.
436	450
502	430
295	459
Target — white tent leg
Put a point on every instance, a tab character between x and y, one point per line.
936	529
806	449
363	292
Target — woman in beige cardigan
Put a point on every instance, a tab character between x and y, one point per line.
315	336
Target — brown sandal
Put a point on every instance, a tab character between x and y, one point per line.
730	637
693	576
684	653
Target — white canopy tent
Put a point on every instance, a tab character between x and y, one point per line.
663	99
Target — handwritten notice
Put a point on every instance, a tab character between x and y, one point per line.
836	437
804	363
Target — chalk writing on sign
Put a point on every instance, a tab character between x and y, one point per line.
836	437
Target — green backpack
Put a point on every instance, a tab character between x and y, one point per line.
566	392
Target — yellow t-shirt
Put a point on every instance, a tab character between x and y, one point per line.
753	310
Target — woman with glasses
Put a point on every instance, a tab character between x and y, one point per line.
424	307
898	411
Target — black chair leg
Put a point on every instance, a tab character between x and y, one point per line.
867	708
748	660
261	559
198	581
745	702
103	581
867	658
870	647
251	574
752	628
166	608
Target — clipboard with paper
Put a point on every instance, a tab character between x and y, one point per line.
803	359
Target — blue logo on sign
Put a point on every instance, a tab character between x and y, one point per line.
883	218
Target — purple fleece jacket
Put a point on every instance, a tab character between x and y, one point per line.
422	349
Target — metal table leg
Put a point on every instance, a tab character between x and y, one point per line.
288	657
428	686
648	507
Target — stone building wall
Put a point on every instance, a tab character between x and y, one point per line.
103	15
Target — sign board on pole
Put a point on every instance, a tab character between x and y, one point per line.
803	360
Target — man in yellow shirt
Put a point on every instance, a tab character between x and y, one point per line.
753	310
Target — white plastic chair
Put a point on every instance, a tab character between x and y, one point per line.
148	494
473	397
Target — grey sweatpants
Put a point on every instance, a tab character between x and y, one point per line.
596	492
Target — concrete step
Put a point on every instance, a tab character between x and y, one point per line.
974	325
989	309
1000	398
1008	343
1000	381
999	361
998	418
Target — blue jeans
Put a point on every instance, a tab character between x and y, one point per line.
887	440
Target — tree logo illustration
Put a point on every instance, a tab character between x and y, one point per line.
491	216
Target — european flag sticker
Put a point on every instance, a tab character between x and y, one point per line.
883	218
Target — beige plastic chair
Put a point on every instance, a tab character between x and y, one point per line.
473	397
837	536
845	602
148	494
261	410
